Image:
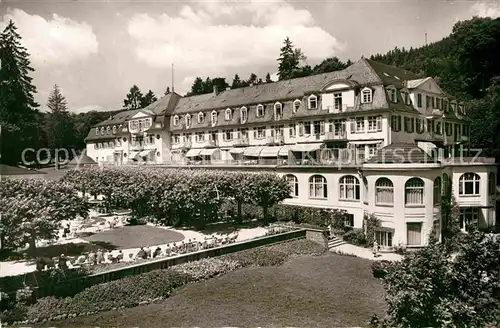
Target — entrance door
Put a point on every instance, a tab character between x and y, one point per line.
414	234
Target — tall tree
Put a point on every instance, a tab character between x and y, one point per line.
236	82
133	98
148	99
59	125
19	116
289	60
197	87
252	79
331	64
268	78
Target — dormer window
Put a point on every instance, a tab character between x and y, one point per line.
176	120
213	118
461	109
108	130
102	131
96	131
188	120
296	105
278	111
243	114
201	118
313	102
392	94
114	129
260	110
228	114
366	96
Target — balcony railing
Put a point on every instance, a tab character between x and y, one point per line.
342	109
240	142
182	145
336	135
274	140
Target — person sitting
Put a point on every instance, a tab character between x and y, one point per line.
99	256
141	254
119	257
182	248
92	258
62	262
157	252
167	251
81	259
110	258
175	249
148	252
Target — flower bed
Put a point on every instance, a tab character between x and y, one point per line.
155	285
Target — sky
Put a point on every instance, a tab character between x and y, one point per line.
96	50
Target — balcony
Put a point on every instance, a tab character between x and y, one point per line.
276	140
240	142
344	108
182	145
209	143
336	135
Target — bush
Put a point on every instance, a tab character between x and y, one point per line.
300	247
355	236
207	268
258	257
379	268
13	314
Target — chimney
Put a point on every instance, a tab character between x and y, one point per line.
216	91
168	91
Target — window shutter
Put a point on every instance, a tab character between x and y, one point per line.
379	123
412	124
406	125
272	132
353	125
322	127
255	133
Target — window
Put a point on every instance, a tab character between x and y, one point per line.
491	184
114	129
414	192
243	114
108	130
318	127
349	220
468	216
213	118
396	123
366	96
409	124
296	105
95	146
199	136
307	128
360	124
102	130
294	184
437	191
349	188
313	102
227	135
384	238
201	118
420	126
419	100
317	187
259	133
228	114
188	121
447	128
260	110
439	128
374	123
292	129
337	101
176	120
96	131
392	94
278	111
414	234
384	192
468	184
339	127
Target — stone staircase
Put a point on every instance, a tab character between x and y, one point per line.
334	242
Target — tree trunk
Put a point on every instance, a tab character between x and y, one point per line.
265	211
32	243
239	219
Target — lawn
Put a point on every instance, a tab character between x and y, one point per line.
135	236
326	291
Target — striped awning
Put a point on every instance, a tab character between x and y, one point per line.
271	151
238	150
145	153
208	151
133	154
193	152
253	151
306	147
285	150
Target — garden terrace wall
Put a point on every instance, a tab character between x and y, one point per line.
77	285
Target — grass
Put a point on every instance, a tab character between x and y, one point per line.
325	291
135	236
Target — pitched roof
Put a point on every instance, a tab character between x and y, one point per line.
390	74
269	92
6	170
118	118
415	83
399	153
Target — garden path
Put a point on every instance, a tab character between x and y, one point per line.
365	253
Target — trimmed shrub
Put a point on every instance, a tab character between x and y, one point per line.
207	268
379	268
356	237
258	257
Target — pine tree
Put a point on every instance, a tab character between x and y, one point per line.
197	87
148	99
236	82
268	78
133	98
59	126
56	101
252	79
289	60
19	116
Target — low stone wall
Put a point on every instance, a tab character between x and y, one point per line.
318	235
163	263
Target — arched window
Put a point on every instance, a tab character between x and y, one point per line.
491	184
278	111
102	130
213	118
437	191
384	192
366	95
296	105
317	187
108	130
201	118
96	131
414	192
468	184
243	114
349	188
294	184
260	110
313	102
114	129
228	114
188	120
176	120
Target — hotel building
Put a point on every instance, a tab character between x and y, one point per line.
368	139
